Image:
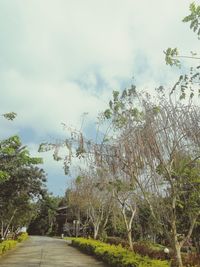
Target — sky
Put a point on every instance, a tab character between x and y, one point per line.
61	58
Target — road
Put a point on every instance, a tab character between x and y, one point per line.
47	252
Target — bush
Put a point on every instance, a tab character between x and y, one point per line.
148	249
191	260
22	237
112	240
144	248
9	244
116	255
6	245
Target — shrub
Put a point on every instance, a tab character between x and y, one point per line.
144	248
6	245
191	260
22	237
116	255
9	244
117	241
149	250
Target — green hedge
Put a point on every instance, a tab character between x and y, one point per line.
6	245
116	256
9	244
22	237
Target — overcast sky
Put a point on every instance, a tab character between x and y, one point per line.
60	58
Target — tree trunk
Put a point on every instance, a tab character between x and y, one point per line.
177	244
96	231
130	241
178	255
128	224
9	223
2	229
197	244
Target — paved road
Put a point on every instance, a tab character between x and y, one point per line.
47	252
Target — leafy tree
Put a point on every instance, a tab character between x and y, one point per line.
21	181
44	221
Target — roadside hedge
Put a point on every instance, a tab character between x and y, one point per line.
22	237
116	256
9	244
144	248
6	245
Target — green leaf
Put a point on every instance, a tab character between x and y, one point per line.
107	113
10	116
4	176
115	95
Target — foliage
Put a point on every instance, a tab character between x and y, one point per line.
116	255
171	57
152	251
191	260
22	181
121	108
44	221
9	244
10	116
114	240
144	248
187	83
13	155
4	176
22	237
194	18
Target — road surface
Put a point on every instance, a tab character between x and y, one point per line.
47	252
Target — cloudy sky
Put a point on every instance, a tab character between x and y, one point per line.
61	58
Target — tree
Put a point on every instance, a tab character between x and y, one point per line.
21	181
44	221
90	194
158	136
124	194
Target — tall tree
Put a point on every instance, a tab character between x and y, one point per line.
21	181
162	138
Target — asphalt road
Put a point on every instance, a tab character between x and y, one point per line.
47	252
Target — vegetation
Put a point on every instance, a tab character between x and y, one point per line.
153	162
44	220
9	244
116	255
21	182
140	178
22	237
138	189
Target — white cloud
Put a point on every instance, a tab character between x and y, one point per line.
43	106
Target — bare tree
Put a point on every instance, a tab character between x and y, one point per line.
91	195
157	146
